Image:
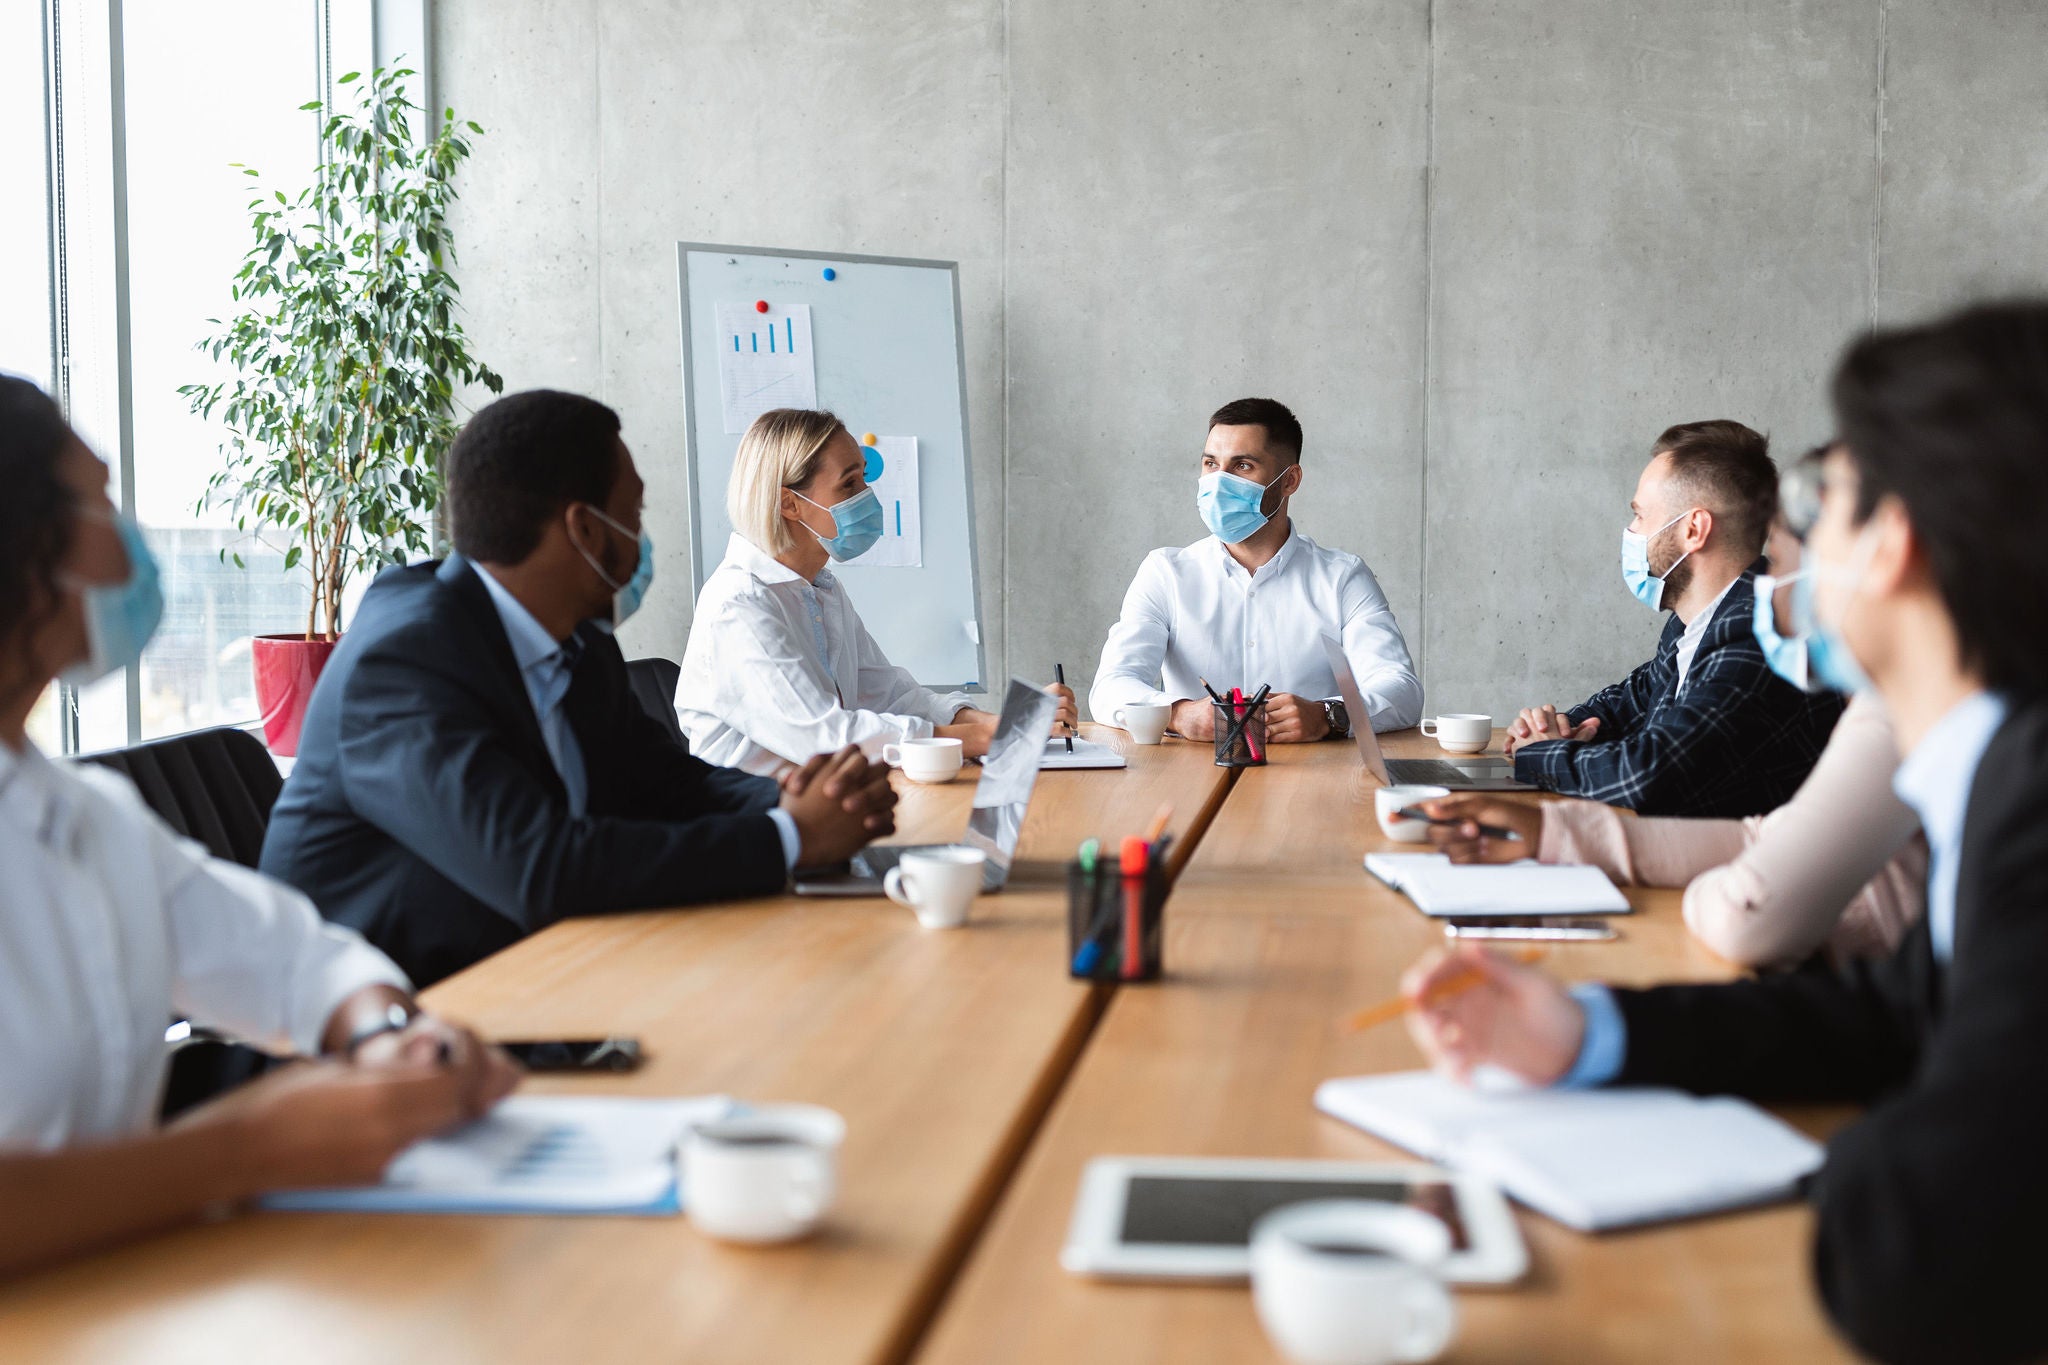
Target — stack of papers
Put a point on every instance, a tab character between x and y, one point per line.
1087	754
536	1154
1591	1159
1442	888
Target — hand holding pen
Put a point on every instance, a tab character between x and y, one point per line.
1477	828
1069	712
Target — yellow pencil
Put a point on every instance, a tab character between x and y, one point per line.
1374	1015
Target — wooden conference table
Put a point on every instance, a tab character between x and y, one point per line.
976	1080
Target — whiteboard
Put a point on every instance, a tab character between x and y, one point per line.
885	336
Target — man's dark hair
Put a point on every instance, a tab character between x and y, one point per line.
519	462
1283	432
1951	417
36	517
1728	468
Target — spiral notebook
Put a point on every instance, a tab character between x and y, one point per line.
1591	1159
1441	888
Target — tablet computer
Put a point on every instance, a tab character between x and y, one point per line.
1190	1218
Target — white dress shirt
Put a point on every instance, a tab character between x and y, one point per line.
111	925
545	670
1935	780
547	675
778	669
1696	631
1195	613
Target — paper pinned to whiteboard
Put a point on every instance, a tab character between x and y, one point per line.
892	473
764	361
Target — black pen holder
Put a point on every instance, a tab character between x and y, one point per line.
1115	923
1240	734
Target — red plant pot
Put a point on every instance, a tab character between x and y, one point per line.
286	666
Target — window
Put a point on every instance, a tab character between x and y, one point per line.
121	121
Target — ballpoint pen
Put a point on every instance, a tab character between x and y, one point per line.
1059	675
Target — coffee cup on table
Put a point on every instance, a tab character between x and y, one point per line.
1465	732
1389	802
1144	721
925	760
769	1174
1351	1282
940	884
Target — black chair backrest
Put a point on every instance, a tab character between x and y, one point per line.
216	786
654	685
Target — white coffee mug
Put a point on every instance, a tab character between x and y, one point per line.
1350	1282
1463	733
1145	721
940	884
767	1175
1388	802
924	760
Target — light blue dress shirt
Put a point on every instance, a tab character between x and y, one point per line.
546	673
1935	780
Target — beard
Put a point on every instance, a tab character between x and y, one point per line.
1676	580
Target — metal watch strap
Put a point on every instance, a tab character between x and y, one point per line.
1339	719
393	1018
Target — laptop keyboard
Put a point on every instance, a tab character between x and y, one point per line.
1436	773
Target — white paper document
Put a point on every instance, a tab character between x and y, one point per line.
764	361
1442	888
1087	753
536	1154
1591	1159
892	473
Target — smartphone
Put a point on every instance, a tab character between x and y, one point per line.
1532	927
576	1054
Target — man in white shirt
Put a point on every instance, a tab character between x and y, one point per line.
1247	607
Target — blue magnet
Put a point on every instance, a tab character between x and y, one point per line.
830	273
872	463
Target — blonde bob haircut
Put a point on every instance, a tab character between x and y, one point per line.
780	450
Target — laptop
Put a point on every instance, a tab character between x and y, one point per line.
1008	773
1477	773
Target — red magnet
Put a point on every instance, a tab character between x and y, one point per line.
760	305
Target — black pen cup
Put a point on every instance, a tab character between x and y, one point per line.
1240	734
1115	923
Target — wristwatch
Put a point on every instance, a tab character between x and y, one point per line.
1339	718
393	1018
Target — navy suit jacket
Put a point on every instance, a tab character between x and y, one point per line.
424	810
1737	741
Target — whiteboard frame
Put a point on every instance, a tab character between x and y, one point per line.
979	687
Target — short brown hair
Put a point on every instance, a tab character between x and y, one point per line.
1283	431
1728	468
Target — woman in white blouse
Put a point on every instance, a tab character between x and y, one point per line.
779	666
110	925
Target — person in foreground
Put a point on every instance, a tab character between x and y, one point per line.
474	765
1249	606
779	665
1926	580
1704	727
113	924
1839	867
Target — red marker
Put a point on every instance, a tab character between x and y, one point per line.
760	305
1132	857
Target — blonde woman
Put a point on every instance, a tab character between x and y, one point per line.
779	665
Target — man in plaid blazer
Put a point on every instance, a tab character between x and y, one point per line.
1704	728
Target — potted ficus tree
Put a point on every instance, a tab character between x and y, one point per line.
346	357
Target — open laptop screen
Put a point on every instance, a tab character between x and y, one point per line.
1010	770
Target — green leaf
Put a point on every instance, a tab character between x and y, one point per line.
349	78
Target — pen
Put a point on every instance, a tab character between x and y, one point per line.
1374	1015
1251	709
1485	831
1132	861
1059	675
1091	849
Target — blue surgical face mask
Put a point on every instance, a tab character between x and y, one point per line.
1786	654
626	596
1232	507
1828	654
119	617
1645	587
859	521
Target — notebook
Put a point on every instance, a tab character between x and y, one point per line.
1442	888
1591	1159
1087	754
536	1154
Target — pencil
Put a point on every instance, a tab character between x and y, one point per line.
1160	820
1387	1010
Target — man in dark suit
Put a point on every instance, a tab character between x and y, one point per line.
474	765
1704	728
1928	581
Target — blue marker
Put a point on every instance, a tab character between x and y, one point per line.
830	273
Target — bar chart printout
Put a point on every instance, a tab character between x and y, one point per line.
764	361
